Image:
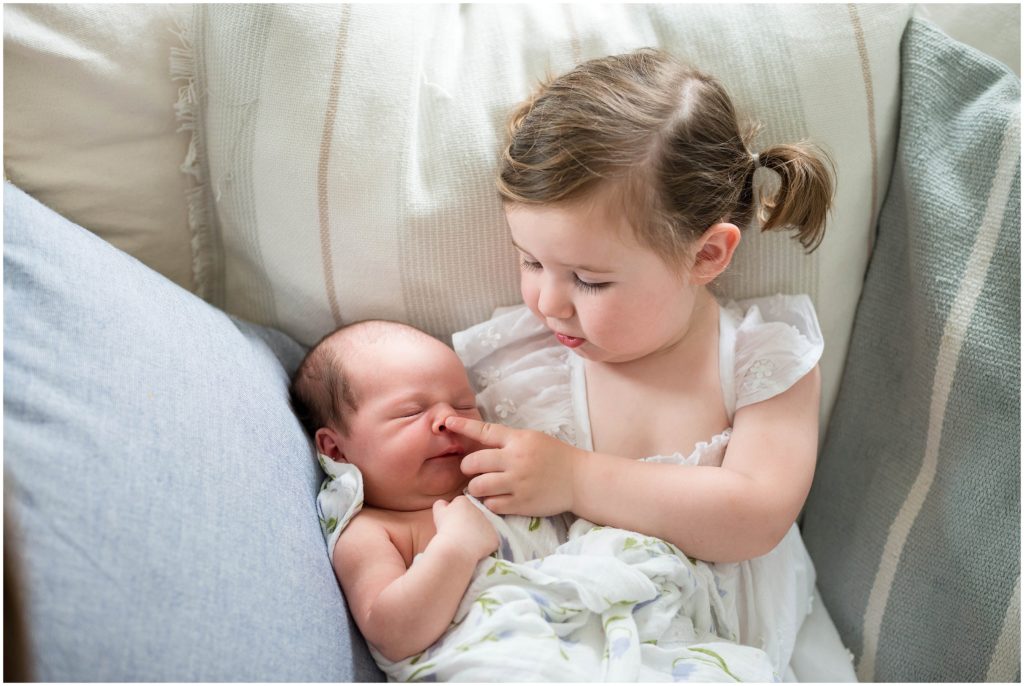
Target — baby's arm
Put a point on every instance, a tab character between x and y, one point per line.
734	512
402	611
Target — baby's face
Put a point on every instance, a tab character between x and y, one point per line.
406	388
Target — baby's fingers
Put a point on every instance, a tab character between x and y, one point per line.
438	510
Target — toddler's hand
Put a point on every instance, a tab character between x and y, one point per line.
465	525
520	472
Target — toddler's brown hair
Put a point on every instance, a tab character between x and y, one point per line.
664	137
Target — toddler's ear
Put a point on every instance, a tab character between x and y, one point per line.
713	252
328	443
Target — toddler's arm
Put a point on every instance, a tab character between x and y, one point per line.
723	514
403	611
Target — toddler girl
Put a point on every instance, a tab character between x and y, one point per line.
626	184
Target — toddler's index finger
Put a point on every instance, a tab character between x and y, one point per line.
485	433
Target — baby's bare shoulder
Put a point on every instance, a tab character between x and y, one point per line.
374	528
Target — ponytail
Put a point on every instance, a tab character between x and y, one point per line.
668	138
804	193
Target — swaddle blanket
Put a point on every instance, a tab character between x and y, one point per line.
604	605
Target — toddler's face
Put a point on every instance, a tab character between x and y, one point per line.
405	388
601	293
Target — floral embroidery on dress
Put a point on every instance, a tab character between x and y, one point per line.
486	377
758	375
564	432
490	338
505	408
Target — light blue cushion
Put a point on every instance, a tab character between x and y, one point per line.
914	517
163	490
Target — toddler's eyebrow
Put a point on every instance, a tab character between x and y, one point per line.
580	267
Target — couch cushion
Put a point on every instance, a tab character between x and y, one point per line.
351	150
914	517
162	490
89	123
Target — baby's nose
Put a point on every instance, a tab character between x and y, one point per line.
438	425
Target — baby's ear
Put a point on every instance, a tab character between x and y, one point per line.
713	252
328	443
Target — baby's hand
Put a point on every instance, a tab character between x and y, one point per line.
466	526
520	471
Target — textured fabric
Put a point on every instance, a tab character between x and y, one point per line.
162	491
607	604
914	517
995	30
348	153
341	498
514	355
89	127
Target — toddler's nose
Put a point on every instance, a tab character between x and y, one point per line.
553	303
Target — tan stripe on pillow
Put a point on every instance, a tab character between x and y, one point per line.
1005	663
324	162
869	92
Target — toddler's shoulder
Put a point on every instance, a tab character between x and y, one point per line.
770	343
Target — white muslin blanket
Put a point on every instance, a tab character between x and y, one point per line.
579	603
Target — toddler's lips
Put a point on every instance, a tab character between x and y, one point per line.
570	341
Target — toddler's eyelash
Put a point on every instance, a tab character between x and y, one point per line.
589	287
530	266
527	265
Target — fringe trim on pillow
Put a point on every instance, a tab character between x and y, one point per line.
187	112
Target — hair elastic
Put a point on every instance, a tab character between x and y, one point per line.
757	160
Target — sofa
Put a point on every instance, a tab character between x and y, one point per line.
194	194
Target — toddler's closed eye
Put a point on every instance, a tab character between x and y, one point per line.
590	286
529	265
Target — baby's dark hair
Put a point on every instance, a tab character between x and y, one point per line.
322	392
666	138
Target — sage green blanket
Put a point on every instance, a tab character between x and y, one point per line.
914	518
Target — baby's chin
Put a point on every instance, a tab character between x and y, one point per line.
446	483
432	485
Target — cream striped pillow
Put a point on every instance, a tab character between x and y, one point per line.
345	155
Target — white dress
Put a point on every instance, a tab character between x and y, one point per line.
524	378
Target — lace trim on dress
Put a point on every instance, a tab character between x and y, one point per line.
707	453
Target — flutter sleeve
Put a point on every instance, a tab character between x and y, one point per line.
777	342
